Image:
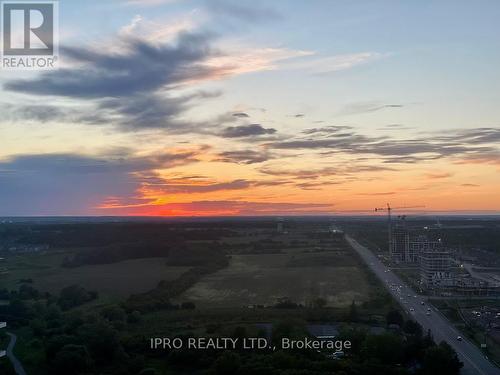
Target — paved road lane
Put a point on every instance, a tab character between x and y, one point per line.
474	361
18	367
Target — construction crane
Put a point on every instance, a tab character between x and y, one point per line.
389	209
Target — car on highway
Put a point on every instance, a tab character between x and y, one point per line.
459	338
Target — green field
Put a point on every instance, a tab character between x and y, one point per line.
263	279
117	280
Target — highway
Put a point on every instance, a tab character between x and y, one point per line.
475	363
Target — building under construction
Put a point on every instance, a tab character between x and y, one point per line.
436	268
406	246
435	262
400	243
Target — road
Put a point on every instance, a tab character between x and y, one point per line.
474	360
18	367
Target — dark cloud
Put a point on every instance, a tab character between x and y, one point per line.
200	187
241	114
476	136
378	193
241	12
251	130
142	68
317	185
438	175
190	185
33	112
149	111
409	159
132	89
467	144
342	170
72	184
327	130
366	107
244	156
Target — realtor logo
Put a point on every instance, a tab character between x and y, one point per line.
29	34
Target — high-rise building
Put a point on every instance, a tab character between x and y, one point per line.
419	245
436	268
400	241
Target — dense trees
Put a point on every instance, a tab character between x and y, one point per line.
394	317
100	340
442	360
72	359
73	296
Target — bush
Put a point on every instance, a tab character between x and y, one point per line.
73	296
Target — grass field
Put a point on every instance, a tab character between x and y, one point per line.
263	279
117	280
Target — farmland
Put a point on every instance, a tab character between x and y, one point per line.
115	281
264	279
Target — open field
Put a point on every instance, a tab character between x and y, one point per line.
263	279
114	280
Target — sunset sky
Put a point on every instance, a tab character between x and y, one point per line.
281	107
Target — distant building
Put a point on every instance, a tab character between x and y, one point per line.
470	286
436	268
280	226
400	242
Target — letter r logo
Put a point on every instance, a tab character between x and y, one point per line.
27	28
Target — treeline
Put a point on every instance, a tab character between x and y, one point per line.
119	252
23	304
106	234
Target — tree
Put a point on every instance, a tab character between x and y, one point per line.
72	359
188	306
55	343
101	340
73	296
228	363
319	303
38	326
148	371
134	317
114	313
394	317
441	359
413	328
353	315
388	348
